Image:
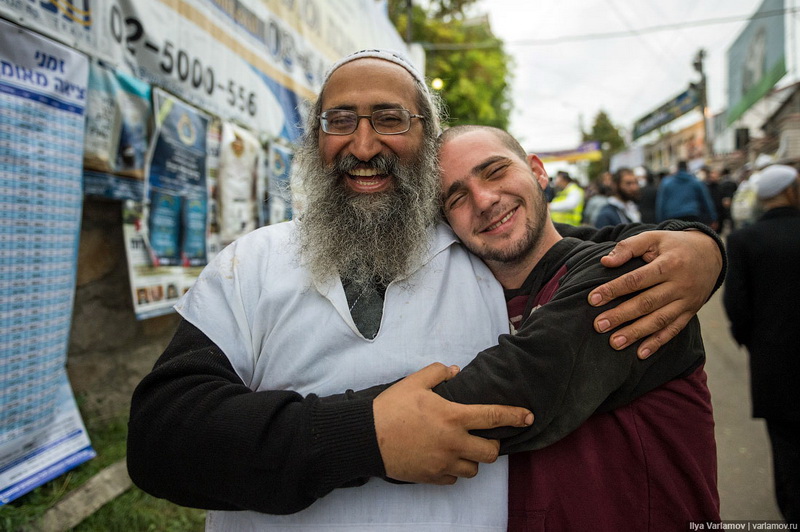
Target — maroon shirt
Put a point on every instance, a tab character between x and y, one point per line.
647	466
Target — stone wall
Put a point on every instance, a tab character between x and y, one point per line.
109	350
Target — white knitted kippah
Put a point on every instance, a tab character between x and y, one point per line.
387	55
774	179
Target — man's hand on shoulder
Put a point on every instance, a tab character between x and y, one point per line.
425	438
682	270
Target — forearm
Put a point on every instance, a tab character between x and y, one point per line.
199	437
561	378
604	234
562	371
621	232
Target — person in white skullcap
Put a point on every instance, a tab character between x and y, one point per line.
775	179
241	414
762	300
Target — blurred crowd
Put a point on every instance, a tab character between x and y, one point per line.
718	197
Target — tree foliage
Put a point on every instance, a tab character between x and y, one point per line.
476	75
440	9
611	142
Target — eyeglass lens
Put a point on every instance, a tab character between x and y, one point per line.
385	121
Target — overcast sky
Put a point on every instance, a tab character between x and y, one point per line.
559	83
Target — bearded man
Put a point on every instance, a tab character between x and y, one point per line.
239	414
367	239
621	207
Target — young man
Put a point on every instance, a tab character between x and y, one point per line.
366	288
650	465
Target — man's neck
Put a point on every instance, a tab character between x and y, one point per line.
512	274
774	203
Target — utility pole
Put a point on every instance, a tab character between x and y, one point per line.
409	11
700	87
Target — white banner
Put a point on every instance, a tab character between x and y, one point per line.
251	61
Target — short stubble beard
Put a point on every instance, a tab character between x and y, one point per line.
517	253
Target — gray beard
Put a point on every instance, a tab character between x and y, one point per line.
366	238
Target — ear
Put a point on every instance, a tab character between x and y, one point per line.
794	193
537	167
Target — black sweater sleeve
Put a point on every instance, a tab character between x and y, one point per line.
560	368
201	438
621	232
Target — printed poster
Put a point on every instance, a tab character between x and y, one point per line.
280	193
177	197
118	119
43	88
239	162
154	289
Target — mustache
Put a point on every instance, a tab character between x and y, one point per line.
383	163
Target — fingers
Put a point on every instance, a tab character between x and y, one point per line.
682	269
655	341
634	246
433	374
633	281
659	327
655	310
639	306
444	480
493	416
461	469
480	450
465	469
423	437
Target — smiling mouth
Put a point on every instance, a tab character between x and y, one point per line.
366	176
501	221
367	180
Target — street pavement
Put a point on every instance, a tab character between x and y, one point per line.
745	462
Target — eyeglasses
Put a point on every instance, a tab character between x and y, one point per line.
383	121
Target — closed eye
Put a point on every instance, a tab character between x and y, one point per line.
497	170
454	202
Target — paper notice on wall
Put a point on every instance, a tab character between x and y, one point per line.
176	184
43	89
154	289
239	158
118	119
280	193
213	238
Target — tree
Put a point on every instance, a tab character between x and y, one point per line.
611	142
439	9
465	54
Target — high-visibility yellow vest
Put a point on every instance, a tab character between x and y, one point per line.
572	217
